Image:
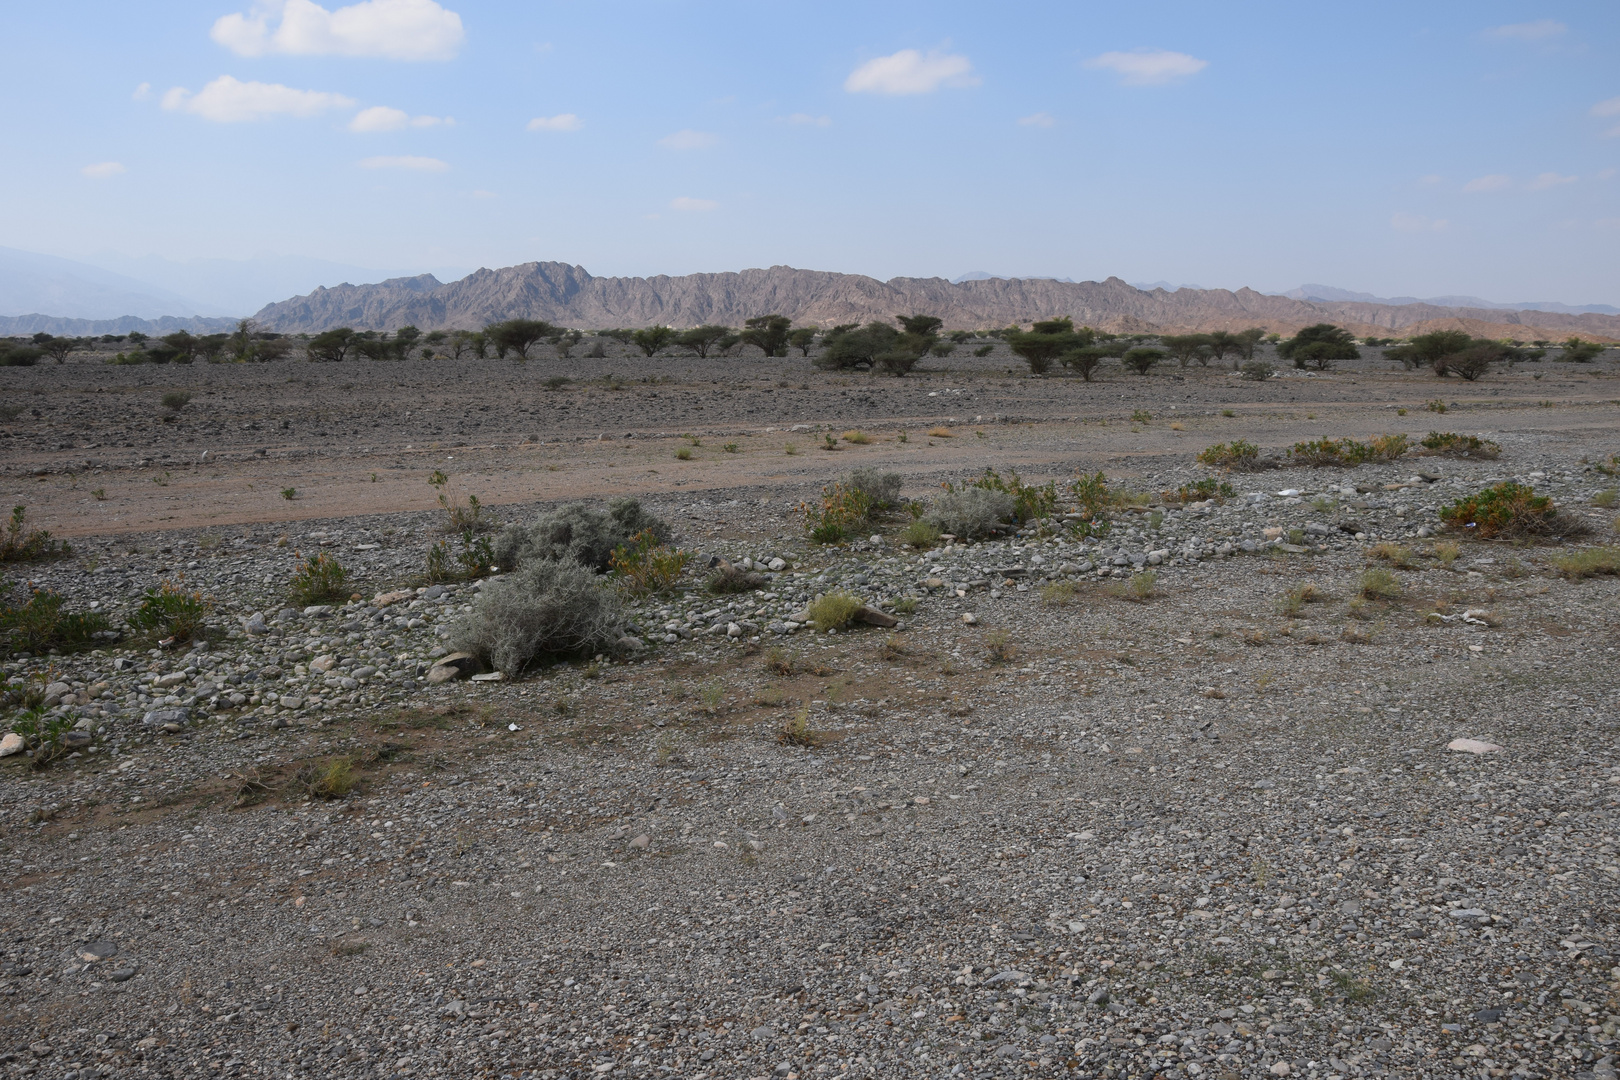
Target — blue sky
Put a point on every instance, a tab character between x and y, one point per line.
1395	148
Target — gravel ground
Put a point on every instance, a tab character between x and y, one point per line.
1083	833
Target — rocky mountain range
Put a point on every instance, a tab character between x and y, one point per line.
570	296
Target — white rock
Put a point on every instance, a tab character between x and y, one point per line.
1473	746
12	744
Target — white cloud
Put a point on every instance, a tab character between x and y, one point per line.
383	118
1550	179
104	170
1417	223
1431	179
561	122
1039	119
1493	182
1611	107
1529	31
416	164
911	72
687	139
800	119
690	204
1149	67
1606	174
229	101
142	92
393	29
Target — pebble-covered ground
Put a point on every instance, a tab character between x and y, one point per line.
1053	824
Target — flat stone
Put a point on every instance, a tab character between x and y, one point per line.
163	717
1473	746
873	617
455	666
12	743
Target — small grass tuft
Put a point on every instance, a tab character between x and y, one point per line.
21	544
941	433
1394	554
1137	587
1238	455
1379	584
331	779
1605	499
920	534
1059	593
320	578
859	438
834	611
1591	562
998	645
796	731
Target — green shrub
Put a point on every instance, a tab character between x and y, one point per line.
473	558
1507	510
547	610
320	578
1450	444
646	565
1142	359
1348	452
22	544
577	532
40	625
834	610
175	400
841	514
1319	346
1236	456
920	534
328	780
170	612
1257	370
1200	491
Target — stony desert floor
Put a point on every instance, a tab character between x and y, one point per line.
1196	829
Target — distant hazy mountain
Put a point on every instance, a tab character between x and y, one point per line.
63	288
1149	286
26	325
980	275
1329	292
242	286
571	296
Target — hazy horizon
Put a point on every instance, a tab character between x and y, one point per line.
1455	149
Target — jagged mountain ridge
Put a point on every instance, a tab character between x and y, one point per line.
570	296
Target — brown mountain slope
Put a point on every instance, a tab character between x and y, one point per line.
569	296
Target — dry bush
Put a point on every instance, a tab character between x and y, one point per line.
1450	444
1379	584
796	731
578	533
330	779
545	610
1238	456
1137	587
734	579
1392	553
941	433
971	513
882	489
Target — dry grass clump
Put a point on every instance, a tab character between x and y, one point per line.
920	534
796	730
1379	584
1451	444
834	610
1292	603
1591	562
998	645
1392	553
545	610
941	433
1509	511
859	438
1137	587
1059	593
1606	499
333	778
578	533
734	579
1348	452
648	566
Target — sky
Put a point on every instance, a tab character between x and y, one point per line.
1394	148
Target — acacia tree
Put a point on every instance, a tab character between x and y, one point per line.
1248	340
518	336
769	333
58	348
210	346
1319	345
1085	360
1141	359
183	344
700	339
653	338
332	346
1047	341
802	339
1185	347
853	346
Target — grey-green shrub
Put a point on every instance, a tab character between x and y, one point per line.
970	513
882	488
578	533
547	610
